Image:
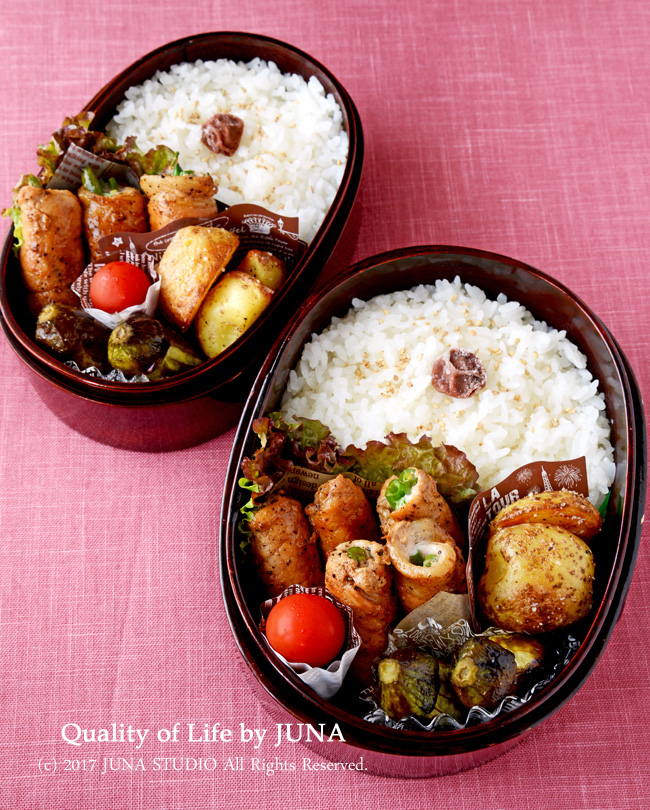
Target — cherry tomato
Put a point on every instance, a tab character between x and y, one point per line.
306	628
118	285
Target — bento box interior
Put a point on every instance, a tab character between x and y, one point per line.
249	350
617	546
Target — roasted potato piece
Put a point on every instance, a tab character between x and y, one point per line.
194	259
265	267
563	508
537	578
231	306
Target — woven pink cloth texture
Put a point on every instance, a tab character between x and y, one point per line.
515	127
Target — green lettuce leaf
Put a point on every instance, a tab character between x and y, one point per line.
14	212
308	443
453	472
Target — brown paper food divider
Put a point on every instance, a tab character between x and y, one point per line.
301	483
538	476
68	172
257	229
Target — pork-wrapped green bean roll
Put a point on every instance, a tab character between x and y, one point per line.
426	560
411	495
173	197
359	574
107	211
283	546
51	255
341	512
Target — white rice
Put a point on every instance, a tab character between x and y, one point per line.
294	147
369	373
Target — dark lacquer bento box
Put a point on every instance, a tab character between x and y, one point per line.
195	405
408	753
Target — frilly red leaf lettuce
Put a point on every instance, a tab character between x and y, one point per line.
76	129
309	443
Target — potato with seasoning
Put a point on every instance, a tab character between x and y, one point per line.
234	303
536	579
193	261
563	508
265	267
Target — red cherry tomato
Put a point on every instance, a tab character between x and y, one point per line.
118	285
306	628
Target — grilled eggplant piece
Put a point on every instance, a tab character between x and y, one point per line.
483	673
412	683
136	345
409	684
180	356
528	653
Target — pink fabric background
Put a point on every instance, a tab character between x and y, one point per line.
521	128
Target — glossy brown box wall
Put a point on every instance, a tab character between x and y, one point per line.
196	405
416	754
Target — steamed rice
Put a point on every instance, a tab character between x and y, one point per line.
369	373
293	151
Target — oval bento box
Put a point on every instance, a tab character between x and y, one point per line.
402	753
196	405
